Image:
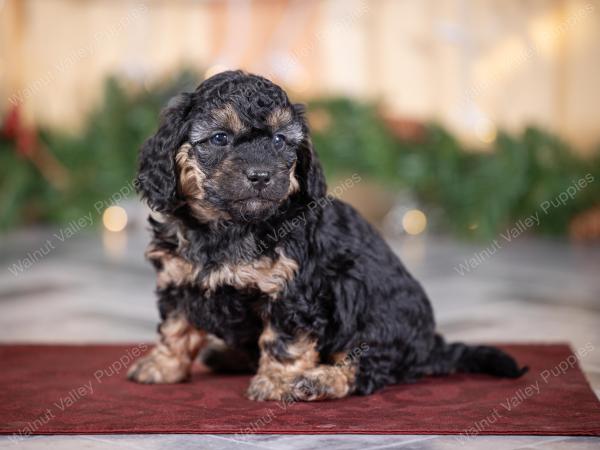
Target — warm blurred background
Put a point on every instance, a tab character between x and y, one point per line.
473	112
473	125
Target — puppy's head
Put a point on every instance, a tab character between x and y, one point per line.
235	149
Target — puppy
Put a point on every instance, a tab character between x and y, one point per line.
262	271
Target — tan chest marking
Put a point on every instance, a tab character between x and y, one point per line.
173	269
268	275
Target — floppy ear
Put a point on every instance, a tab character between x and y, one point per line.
156	180
308	169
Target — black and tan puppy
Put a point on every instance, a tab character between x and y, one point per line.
258	267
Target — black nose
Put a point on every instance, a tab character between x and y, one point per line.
259	178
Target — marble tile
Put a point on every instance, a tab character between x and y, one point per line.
501	443
299	442
337	442
142	441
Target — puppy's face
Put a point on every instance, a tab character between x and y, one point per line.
235	149
243	157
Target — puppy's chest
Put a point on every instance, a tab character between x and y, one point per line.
265	274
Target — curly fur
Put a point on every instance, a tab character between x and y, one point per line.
324	309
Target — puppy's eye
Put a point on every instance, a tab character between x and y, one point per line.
219	139
279	140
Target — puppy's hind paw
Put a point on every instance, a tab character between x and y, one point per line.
265	388
308	389
153	369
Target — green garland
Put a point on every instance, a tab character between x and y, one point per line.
480	194
101	160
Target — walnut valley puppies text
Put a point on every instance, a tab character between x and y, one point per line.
524	224
80	392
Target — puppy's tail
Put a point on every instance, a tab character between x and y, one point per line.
457	357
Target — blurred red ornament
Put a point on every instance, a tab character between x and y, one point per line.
14	129
404	128
585	226
27	144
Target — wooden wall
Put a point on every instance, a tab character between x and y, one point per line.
476	65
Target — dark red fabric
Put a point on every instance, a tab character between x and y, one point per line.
58	389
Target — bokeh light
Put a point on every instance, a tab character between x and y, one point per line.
114	218
414	221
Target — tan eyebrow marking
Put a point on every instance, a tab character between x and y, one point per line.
227	117
282	120
279	118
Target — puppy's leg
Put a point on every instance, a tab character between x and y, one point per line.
171	360
220	358
281	361
290	371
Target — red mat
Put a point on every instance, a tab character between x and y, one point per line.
82	389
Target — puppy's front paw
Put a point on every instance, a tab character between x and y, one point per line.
308	389
264	388
319	384
158	368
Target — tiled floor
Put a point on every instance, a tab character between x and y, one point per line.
98	288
